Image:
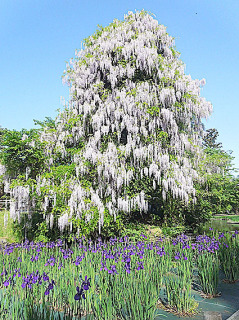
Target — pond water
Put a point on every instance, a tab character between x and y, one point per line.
220	225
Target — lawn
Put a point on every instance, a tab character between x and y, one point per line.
6	232
234	218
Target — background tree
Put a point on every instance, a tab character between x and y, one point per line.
20	153
217	193
209	139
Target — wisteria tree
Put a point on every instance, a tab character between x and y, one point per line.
129	137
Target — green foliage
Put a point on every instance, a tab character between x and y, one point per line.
41	232
221	186
47	123
218	193
20	150
229	257
61	172
29	228
174	231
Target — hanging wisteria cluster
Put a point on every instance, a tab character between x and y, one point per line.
21	203
2	170
128	85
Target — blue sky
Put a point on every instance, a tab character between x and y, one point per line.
38	37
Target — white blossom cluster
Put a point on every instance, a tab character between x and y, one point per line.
21	202
63	221
106	98
2	170
5	181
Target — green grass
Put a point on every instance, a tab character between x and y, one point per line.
6	232
232	218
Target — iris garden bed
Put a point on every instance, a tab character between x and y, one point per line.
119	279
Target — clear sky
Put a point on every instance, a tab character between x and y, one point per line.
38	37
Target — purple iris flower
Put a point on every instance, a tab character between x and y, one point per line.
51	261
60	266
103	266
186	246
127	267
80	292
45	277
34	280
6	283
4	272
59	243
78	259
141	266
50	287
35	258
177	256
47	292
66	253
86	283
144	236
235	233
113	270
128	259
141	255
150	246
